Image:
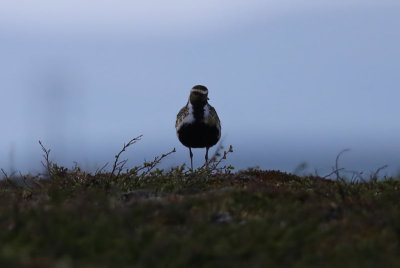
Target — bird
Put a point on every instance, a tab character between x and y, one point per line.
197	123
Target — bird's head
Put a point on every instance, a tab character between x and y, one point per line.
198	95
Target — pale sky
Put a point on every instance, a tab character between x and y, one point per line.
160	17
293	81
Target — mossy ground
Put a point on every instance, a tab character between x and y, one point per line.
250	218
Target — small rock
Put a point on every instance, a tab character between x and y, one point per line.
221	217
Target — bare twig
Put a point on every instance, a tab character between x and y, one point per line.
375	175
46	155
214	163
337	169
5	174
356	176
216	153
7	178
149	166
99	170
119	165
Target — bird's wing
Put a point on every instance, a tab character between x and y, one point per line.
181	115
213	117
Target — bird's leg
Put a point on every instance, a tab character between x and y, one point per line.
191	158
207	157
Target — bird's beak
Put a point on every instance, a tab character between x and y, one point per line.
208	98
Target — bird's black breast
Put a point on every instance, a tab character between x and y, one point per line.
198	113
198	135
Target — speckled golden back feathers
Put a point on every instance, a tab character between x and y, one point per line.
184	112
212	118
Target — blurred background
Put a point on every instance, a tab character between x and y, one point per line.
293	81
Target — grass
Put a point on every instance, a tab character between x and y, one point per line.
209	217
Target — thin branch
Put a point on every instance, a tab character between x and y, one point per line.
46	155
7	178
149	166
337	169
215	161
99	170
119	165
375	175
356	176
5	174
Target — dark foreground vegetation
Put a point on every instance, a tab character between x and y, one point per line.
212	217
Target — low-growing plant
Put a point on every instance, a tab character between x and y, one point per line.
146	216
138	176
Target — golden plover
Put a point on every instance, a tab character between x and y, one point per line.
197	123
